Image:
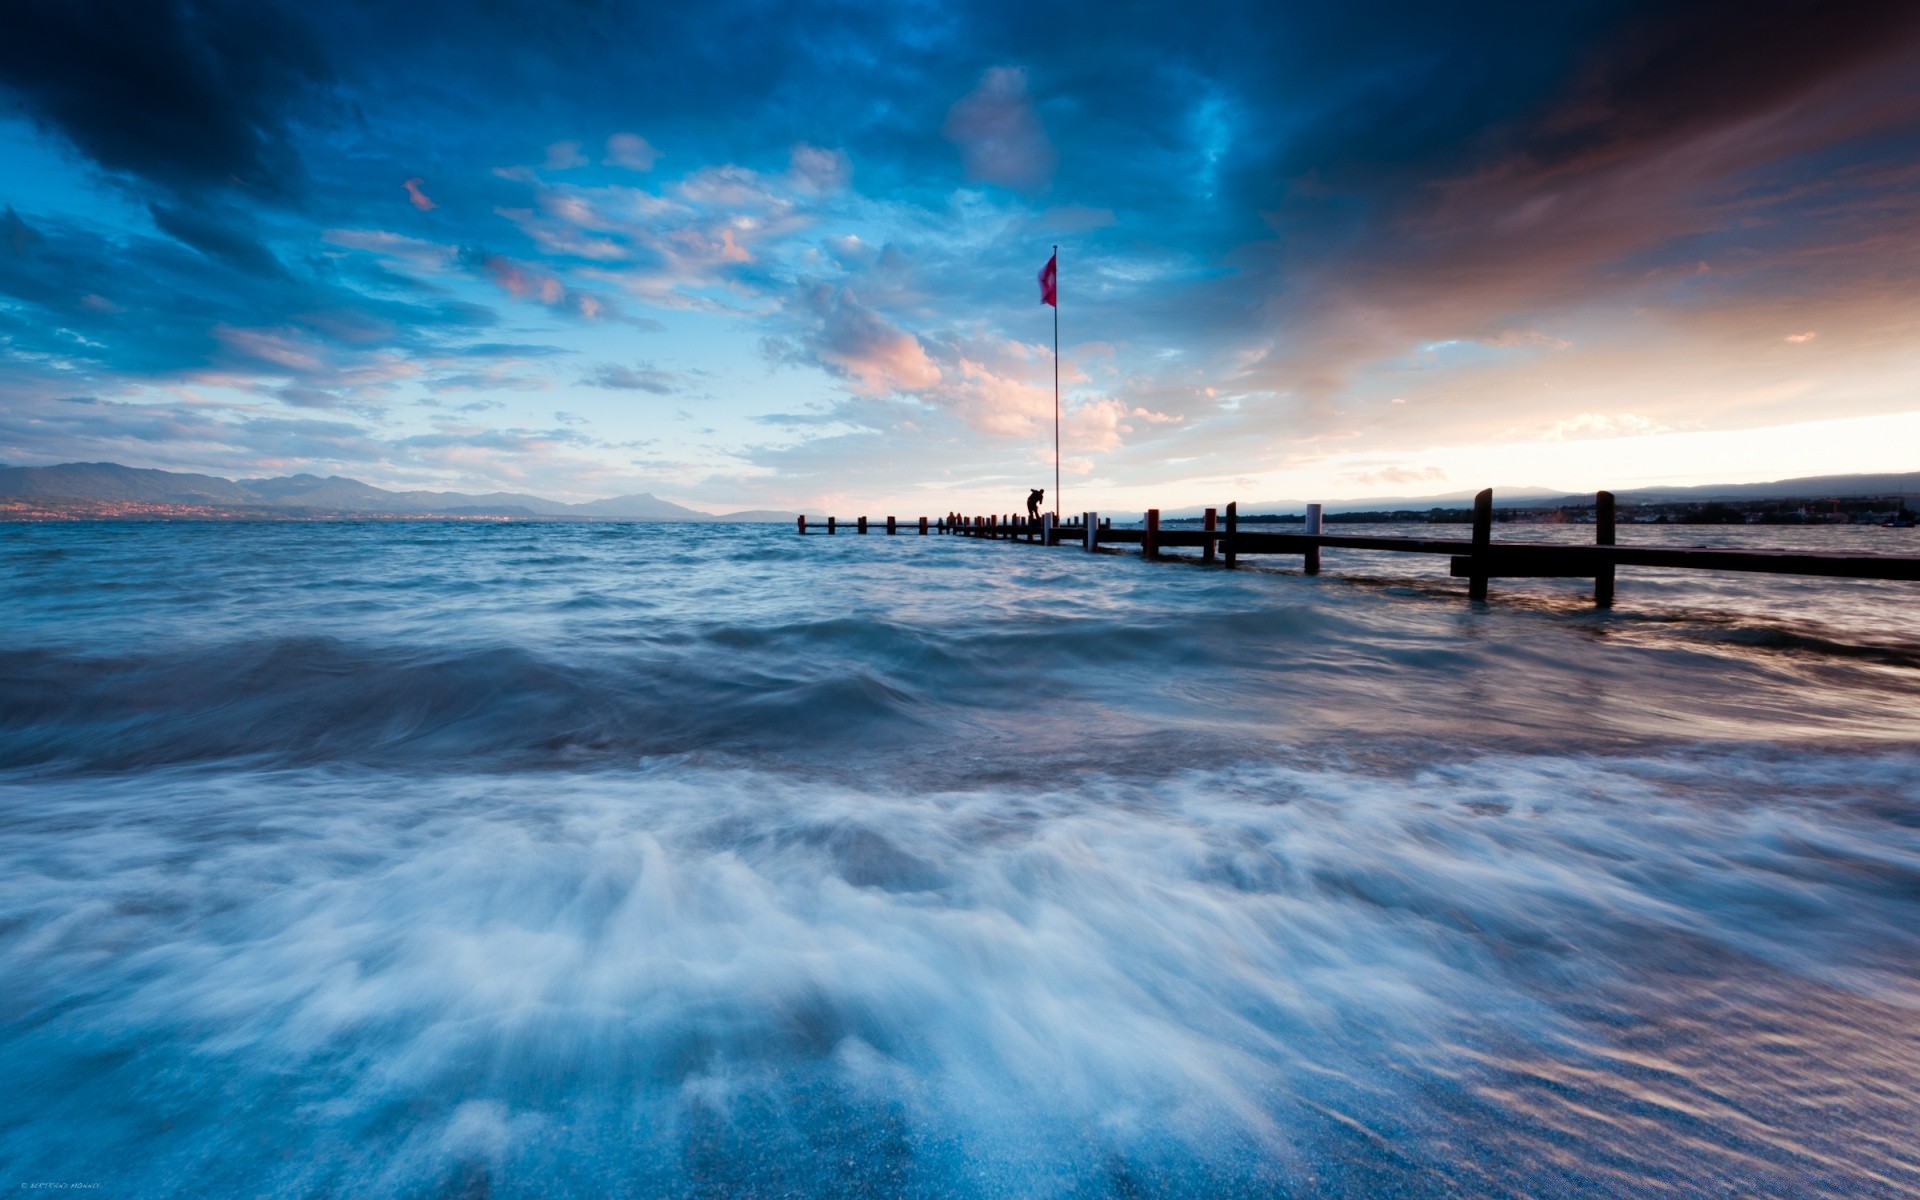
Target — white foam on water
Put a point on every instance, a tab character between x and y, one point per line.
678	978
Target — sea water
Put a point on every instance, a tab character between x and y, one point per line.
443	859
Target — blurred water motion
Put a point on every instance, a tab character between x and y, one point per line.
591	859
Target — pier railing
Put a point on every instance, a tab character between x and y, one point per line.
1476	558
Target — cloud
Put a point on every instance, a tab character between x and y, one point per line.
998	133
1398	476
192	96
1600	425
631	151
525	282
419	199
565	156
222	237
855	343
17	237
644	377
1798	338
694	243
815	170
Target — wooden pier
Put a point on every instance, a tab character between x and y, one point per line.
1477	558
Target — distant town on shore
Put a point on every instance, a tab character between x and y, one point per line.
1833	510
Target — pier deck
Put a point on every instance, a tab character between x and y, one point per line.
1477	558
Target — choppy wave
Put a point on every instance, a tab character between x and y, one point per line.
589	861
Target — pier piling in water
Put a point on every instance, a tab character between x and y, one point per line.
1603	536
1232	554
890	531
1482	542
1206	551
1314	527
1150	545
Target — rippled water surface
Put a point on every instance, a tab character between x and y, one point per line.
593	860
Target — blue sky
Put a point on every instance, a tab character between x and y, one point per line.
783	255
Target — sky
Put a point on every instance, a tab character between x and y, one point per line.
784	255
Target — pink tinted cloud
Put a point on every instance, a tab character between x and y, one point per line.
999	135
529	283
875	357
631	151
418	198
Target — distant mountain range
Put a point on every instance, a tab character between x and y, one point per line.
108	484
111	483
1815	487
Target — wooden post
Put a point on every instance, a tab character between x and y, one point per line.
1150	544
863	525
829	526
890	527
1603	536
1046	529
1233	526
1206	552
1092	530
1315	525
923	527
803	524
1482	542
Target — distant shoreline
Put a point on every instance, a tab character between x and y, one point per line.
41	512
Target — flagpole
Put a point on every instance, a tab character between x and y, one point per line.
1056	385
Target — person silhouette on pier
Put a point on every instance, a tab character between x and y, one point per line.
1034	498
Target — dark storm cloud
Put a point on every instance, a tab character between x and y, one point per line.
189	94
1685	67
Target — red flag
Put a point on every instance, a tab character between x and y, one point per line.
1048	278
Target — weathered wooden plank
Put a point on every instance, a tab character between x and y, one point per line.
1520	566
1537	559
